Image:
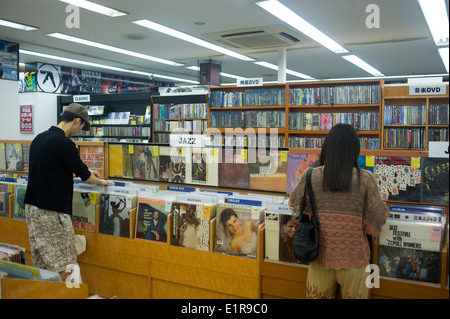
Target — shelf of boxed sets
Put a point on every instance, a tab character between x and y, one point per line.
287	279
411	121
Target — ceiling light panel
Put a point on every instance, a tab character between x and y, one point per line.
362	64
111	48
189	38
444	56
91	6
290	17
102	66
435	13
15	25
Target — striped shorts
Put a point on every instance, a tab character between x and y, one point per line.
52	241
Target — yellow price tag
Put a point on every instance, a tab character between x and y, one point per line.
183	151
370	161
93	197
130	149
214	153
133	122
206	212
19	147
415	162
3	146
244	154
155	150
283	156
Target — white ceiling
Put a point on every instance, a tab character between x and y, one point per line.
401	46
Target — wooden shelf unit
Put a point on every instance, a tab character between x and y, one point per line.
286	131
189	99
398	95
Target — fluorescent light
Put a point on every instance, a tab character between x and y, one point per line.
287	15
275	67
389	77
102	66
186	37
444	56
362	64
111	48
435	13
196	68
16	25
91	6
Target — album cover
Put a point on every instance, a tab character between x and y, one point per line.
233	169
152	162
435	179
296	165
115	214
172	164
237	229
139	162
190	224
94	158
398	178
410	264
14	157
2	156
6	189
280	227
202	167
83	210
151	217
269	170
19	205
412	235
115	160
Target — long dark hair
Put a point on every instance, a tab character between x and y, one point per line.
340	152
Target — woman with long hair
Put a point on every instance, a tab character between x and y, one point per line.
348	208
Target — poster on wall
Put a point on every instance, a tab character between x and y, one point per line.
9	60
26	118
48	78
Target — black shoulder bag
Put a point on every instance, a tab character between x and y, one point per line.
306	240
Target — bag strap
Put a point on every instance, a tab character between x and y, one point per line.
308	188
311	193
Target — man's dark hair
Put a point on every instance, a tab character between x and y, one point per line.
340	152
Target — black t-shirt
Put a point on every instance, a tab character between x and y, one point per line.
54	159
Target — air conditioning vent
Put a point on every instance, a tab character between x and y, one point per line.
258	38
290	37
241	34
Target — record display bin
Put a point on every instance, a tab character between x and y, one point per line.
112	264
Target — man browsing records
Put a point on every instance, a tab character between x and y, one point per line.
54	159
